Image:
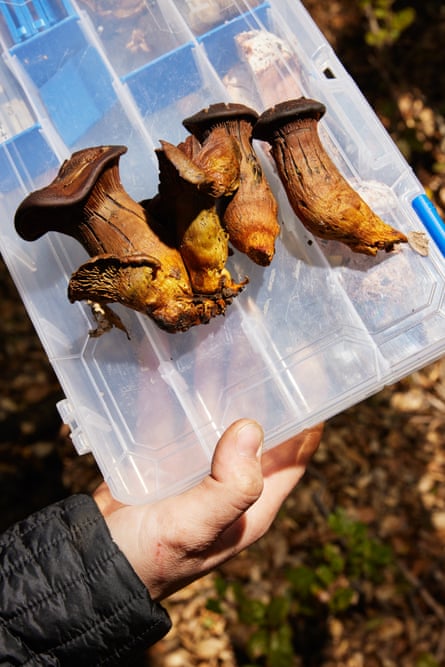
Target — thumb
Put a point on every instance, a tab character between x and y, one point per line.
233	485
236	474
178	539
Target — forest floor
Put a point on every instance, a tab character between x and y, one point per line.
381	463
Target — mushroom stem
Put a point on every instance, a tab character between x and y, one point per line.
184	204
250	214
320	196
86	200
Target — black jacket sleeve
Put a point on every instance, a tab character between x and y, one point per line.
68	595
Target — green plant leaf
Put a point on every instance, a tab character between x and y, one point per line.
258	644
326	575
426	660
303	580
214	604
404	18
341	599
281	651
252	611
221	586
334	558
278	610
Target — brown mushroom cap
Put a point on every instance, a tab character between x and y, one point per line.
202	122
58	205
286	112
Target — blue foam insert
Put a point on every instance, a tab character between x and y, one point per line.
31	156
164	80
74	82
43	54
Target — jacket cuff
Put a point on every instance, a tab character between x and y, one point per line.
69	593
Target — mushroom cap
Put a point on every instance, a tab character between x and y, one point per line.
202	121
56	206
286	112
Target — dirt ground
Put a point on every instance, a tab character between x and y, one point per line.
382	461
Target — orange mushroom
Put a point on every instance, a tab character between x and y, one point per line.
250	214
133	262
321	197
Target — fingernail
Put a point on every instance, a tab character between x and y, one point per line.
249	440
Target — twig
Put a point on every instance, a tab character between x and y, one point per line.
424	594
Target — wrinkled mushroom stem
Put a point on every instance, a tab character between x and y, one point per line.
320	196
87	201
250	214
190	213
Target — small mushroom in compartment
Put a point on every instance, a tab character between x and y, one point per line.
250	214
133	262
320	196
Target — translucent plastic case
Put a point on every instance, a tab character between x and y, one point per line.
318	330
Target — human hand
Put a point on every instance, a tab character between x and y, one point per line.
179	539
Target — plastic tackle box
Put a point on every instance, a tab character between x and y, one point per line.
318	330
